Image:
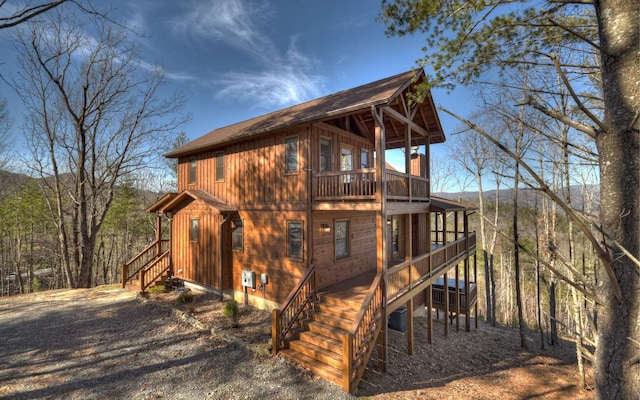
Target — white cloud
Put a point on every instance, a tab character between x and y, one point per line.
278	77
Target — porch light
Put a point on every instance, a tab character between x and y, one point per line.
325	228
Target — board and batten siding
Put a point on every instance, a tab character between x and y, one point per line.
265	251
254	172
362	242
339	138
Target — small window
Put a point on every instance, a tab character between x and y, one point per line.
294	240
395	235
237	234
291	154
325	155
194	230
365	159
193	164
219	167
342	239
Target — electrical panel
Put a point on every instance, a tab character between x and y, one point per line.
248	279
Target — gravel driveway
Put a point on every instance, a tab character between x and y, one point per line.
88	344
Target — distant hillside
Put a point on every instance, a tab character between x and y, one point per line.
528	197
10	182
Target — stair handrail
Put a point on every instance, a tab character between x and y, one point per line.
358	342
283	319
144	282
156	246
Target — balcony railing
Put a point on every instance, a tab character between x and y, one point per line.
361	185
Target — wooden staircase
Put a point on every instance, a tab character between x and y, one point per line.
331	332
320	347
151	265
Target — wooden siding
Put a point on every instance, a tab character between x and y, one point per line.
339	138
254	172
362	255
196	261
265	251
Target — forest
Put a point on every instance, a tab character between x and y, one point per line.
556	121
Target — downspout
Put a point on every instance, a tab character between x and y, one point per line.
220	250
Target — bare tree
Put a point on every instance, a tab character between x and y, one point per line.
95	117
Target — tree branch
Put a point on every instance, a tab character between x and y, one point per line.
602	254
589	130
577	34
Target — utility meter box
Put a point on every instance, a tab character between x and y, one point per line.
264	279
249	279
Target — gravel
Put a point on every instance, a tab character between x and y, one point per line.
86	344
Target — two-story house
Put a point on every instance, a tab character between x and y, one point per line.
298	212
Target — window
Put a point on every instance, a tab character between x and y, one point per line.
342	239
325	155
291	154
193	164
194	230
365	159
394	235
294	240
237	235
219	167
346	163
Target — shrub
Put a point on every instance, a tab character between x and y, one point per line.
232	310
157	289
36	286
185	298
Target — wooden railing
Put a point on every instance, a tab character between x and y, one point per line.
153	271
402	278
150	254
338	185
359	341
361	185
300	301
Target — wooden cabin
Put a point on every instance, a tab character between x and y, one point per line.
297	212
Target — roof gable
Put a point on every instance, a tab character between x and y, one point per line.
344	102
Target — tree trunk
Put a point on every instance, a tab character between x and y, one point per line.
617	372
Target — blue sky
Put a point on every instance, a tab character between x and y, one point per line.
236	59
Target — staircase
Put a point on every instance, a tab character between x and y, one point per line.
320	348
331	332
151	265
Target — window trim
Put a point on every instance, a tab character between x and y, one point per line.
219	155
194	233
234	234
347	239
289	255
286	155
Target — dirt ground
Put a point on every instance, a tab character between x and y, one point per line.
486	363
102	344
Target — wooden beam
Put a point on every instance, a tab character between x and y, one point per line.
429	315
410	326
401	118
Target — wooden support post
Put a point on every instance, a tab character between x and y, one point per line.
124	275
475	279
446	304
457	299
429	314
410	326
382	346
275	331
467	315
347	361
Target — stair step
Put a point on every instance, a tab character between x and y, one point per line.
346	313
332	320
317	353
323	370
322	341
327	330
351	304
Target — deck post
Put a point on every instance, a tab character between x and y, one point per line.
467	320
347	361
124	276
429	315
275	331
457	298
446	304
410	326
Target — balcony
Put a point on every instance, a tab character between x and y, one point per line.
361	185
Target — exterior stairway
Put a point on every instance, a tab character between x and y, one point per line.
319	346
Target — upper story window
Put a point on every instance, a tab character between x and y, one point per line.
237	233
219	167
325	155
342	239
294	240
193	171
365	159
194	230
291	154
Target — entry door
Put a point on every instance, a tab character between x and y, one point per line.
346	162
